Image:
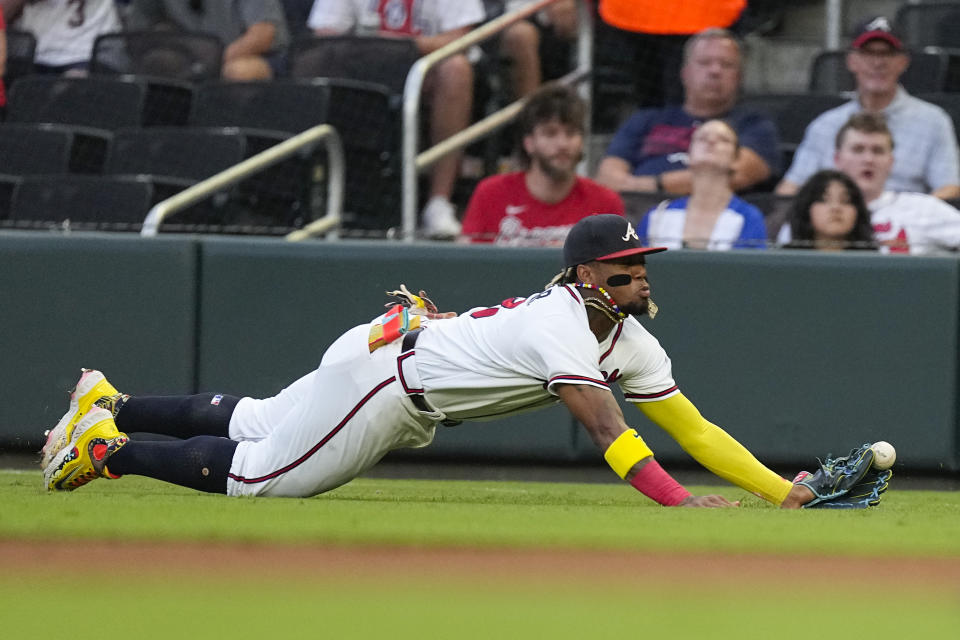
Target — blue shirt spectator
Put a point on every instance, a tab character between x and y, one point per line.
712	217
739	226
655	141
647	153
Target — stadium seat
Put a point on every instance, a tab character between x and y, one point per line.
368	119
27	148
775	209
383	61
101	102
267	113
8	184
933	25
174	158
83	202
364	114
35	148
367	75
163	54
791	112
167	102
927	72
181	152
949	102
283	105
636	204
929	24
21	50
168	62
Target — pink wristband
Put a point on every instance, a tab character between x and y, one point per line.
655	483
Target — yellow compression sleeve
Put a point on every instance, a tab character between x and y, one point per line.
714	448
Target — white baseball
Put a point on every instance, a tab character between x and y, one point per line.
884	455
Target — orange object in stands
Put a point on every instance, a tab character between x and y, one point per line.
679	17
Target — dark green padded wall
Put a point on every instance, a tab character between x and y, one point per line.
270	309
111	302
799	354
795	353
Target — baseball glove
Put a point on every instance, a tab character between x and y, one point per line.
846	481
862	495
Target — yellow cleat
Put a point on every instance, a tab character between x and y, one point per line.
92	389
94	439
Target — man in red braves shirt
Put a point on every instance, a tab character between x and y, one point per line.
537	207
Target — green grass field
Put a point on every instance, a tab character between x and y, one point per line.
478	559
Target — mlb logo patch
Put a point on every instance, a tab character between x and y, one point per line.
215	401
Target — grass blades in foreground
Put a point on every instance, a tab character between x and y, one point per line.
203	606
477	514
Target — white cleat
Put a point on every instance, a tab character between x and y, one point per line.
91	388
94	439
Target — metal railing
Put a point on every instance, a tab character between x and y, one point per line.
320	134
413	163
833	24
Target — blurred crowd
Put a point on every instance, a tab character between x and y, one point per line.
879	172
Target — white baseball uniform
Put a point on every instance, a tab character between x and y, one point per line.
490	362
915	223
66	29
407	17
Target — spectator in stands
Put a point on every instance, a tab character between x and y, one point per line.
65	31
712	217
449	86
903	222
254	32
537	207
540	47
927	157
648	153
829	214
645	39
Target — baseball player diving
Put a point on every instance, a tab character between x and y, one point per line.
388	383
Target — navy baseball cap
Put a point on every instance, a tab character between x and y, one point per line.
605	236
878	28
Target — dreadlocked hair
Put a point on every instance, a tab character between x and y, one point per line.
567	276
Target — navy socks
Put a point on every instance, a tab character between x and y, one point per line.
183	417
200	463
196	452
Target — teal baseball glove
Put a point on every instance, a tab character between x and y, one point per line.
846	482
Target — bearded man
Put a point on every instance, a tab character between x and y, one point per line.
538	206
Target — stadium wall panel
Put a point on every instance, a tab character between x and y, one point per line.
270	309
104	301
798	353
794	353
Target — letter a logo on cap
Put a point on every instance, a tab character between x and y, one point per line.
878	24
630	233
